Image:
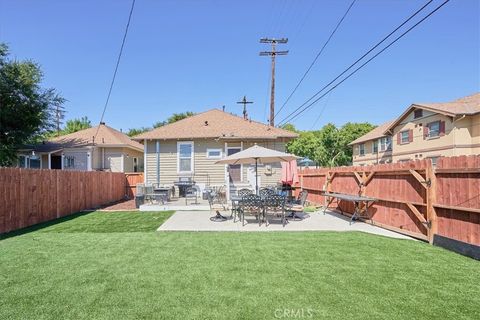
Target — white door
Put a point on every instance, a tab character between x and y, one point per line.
251	176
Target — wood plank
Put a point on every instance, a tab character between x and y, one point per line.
416	212
419	178
456	208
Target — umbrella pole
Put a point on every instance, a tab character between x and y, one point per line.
256	176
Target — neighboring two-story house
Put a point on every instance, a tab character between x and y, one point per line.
426	130
374	147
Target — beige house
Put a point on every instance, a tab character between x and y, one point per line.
112	150
429	130
190	148
374	147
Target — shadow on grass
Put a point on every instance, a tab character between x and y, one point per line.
43	225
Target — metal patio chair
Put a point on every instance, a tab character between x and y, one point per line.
297	205
191	193
251	204
266	192
274	206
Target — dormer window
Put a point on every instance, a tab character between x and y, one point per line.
418	113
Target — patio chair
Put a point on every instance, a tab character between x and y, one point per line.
252	205
192	194
297	205
235	205
216	204
274	206
149	195
266	192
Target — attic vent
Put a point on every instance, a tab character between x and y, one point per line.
102	123
206	123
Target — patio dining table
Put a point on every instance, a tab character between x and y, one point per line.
236	200
361	203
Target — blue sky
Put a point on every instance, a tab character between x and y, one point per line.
198	55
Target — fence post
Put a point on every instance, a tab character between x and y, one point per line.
431	200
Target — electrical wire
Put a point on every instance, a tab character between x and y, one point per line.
116	67
316	57
368	52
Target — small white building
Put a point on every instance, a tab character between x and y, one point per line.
86	150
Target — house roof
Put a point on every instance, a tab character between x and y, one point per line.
376	133
106	137
216	124
468	105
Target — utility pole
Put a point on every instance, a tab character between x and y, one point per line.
273	53
245	102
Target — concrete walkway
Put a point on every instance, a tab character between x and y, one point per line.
200	221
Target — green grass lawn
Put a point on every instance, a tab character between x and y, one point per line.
115	266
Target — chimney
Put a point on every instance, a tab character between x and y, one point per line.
102	123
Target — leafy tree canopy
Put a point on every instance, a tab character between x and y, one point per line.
173	118
27	111
75	125
329	146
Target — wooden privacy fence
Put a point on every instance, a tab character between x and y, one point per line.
131	183
413	197
29	196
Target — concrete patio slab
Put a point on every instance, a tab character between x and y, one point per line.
317	221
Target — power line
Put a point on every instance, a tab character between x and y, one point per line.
359	59
364	64
116	67
317	56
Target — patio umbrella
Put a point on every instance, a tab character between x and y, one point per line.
256	155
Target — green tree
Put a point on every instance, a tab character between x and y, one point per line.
137	131
329	146
289	127
75	125
27	111
173	118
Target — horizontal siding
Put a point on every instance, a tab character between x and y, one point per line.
266	178
205	170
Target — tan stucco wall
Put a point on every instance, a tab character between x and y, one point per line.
370	157
456	141
205	170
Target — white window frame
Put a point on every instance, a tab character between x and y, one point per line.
192	157
214	150
375	147
385	143
360	153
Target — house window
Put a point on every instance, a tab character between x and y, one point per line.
185	156
22	162
361	149
69	162
418	113
34	163
214	153
375	146
135	164
385	143
405	136
434	129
